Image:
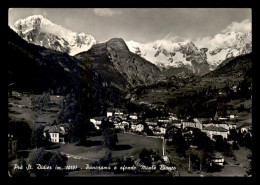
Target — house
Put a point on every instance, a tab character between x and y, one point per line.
125	117
218	159
198	124
57	133
158	130
163	120
12	145
234	88
231	125
53	132
222	118
162	130
232	116
119	126
133	116
118	112
203	121
220	123
139	127
191	124
97	121
216	131
125	123
172	117
110	112
151	121
246	127
177	124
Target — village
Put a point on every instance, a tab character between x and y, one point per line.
134	123
137	132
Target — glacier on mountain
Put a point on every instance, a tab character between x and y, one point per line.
40	31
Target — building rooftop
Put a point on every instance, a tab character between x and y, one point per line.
151	119
100	118
214	128
245	125
110	109
51	129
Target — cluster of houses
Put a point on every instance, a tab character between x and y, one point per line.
217	126
133	122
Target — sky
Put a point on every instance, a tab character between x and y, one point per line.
143	24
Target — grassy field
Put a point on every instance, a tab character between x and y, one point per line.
128	145
235	166
20	107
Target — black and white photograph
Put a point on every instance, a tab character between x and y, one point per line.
127	92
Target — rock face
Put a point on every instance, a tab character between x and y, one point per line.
173	55
228	45
120	67
200	60
40	31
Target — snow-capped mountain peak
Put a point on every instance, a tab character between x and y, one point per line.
166	53
40	31
208	55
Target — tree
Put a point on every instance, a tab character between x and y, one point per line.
50	159
221	145
235	146
146	156
248	141
240	138
39	140
203	142
179	142
233	135
148	131
250	171
109	138
22	132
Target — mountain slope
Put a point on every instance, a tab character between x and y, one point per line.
36	69
120	67
240	66
40	31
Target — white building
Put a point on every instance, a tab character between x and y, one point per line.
188	124
97	121
151	121
118	112
138	127
164	120
57	133
246	127
216	131
110	112
218	159
133	116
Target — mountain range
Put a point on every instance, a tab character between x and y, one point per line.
106	73
171	54
168	55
